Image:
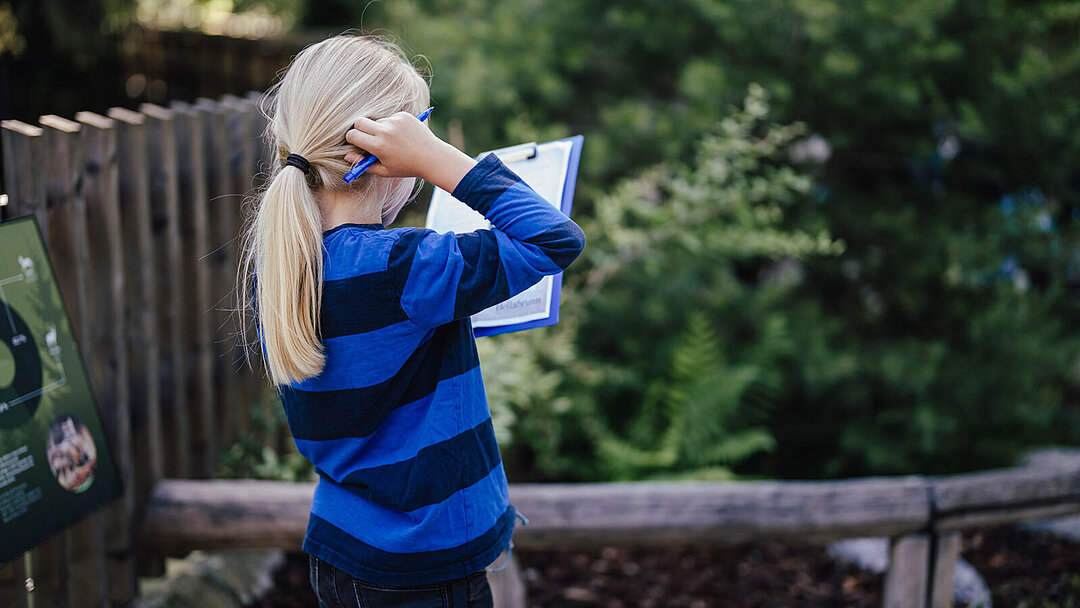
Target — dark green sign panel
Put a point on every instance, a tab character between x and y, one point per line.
55	465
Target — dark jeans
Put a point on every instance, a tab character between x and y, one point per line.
337	589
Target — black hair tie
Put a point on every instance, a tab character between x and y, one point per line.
299	162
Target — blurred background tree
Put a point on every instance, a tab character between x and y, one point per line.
877	276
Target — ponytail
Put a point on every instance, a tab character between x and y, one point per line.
286	247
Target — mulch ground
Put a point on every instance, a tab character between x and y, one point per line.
1023	569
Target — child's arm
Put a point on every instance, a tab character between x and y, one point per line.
442	277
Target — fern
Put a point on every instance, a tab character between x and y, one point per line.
702	410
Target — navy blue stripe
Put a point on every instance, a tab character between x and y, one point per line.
332	544
483	280
401	256
562	244
451	351
484	184
430	477
358	304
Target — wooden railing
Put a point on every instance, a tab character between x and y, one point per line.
140	211
922	516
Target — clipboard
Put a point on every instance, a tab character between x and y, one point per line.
549	168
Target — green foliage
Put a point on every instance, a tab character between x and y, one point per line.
251	457
668	256
663	252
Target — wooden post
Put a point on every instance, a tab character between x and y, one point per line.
222	260
67	216
24	171
70	252
921	570
169	285
194	229
67	247
508	585
141	300
906	581
24	179
943	569
108	360
239	118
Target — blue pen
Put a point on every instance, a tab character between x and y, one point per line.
370	159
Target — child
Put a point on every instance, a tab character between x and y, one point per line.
366	333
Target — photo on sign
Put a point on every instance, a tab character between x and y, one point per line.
72	455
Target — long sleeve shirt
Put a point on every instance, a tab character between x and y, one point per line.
411	484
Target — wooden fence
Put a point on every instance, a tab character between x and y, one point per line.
140	211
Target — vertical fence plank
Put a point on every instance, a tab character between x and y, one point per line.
165	226
84	558
67	216
24	182
906	579
108	356
67	247
194	230
214	120
238	181
140	301
70	251
23	170
242	159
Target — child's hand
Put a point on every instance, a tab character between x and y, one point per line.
407	148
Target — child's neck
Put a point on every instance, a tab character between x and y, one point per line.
342	208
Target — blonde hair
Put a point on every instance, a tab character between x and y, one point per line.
327	86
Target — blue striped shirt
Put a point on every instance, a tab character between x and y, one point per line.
411	485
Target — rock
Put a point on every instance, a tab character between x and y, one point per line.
211	579
1065	527
871	554
969	587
